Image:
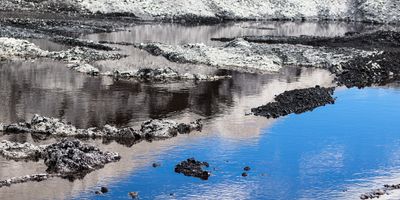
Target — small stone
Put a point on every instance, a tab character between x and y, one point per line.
155	165
244	174
104	189
134	195
247	168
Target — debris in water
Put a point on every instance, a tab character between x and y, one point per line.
192	167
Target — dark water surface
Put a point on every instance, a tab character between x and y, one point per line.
335	152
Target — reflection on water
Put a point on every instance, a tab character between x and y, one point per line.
337	151
51	89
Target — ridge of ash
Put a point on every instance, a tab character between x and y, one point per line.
296	101
368	41
379	69
155	129
194	168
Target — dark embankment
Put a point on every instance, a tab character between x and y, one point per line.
296	101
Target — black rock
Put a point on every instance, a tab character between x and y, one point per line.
247	168
104	189
75	159
296	101
156	165
379	69
192	167
244	174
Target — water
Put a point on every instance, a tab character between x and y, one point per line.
335	152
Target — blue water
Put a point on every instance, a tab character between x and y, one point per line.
334	152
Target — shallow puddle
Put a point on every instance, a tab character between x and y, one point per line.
335	152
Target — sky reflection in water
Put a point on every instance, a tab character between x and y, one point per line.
338	151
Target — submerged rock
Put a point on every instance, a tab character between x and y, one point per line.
192	167
134	195
296	101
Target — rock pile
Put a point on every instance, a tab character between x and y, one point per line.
192	167
296	101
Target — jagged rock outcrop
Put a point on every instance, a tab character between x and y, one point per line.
74	158
192	167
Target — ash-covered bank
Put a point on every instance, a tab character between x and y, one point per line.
247	56
296	101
